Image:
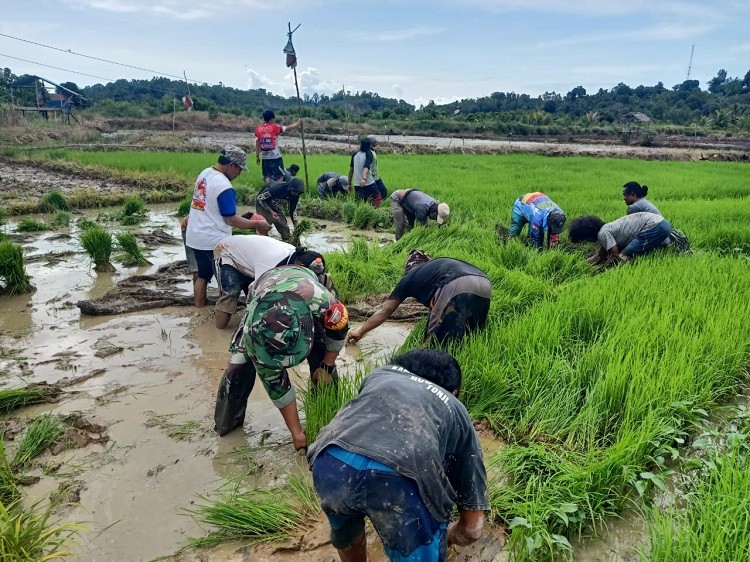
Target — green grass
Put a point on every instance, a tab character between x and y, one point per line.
12	269
40	434
132	253
61	220
9	492
55	201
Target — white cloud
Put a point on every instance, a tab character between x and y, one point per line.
184	9
255	81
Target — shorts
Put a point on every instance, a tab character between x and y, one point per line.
205	261
272	168
192	263
460	307
409	533
231	283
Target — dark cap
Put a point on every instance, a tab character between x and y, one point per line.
556	221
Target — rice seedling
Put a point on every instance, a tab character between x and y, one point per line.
320	403
54	201
97	241
85	223
31	225
3	216
26	534
12	269
62	219
9	492
183	209
259	515
133	205
14	398
303	226
40	434
132	253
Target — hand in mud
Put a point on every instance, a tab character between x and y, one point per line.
355	335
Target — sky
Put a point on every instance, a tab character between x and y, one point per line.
441	50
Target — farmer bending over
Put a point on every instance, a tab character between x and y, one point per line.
402	453
543	216
410	205
290	317
240	259
331	184
622	239
213	213
456	292
270	204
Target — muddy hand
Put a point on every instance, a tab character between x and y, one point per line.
355	335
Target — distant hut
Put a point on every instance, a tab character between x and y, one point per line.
51	98
633	123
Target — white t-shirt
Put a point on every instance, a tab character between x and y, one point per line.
206	226
252	254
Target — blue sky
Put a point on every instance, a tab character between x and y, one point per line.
416	50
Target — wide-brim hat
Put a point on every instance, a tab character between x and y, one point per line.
279	334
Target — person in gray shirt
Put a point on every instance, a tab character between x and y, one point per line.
410	205
403	453
622	239
634	195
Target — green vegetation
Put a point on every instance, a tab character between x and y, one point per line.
12	269
40	434
132	253
97	241
27	536
321	402
55	201
14	398
62	219
9	492
31	225
258	515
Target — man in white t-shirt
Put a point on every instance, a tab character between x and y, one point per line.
213	213
241	259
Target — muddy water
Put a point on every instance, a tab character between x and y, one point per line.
152	374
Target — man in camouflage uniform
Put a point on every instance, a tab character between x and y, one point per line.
290	317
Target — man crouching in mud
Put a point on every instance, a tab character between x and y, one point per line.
402	453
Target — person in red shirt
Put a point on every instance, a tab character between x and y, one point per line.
266	146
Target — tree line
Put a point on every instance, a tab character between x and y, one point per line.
684	108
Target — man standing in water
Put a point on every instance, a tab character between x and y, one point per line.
213	213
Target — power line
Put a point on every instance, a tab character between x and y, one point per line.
69	51
89	75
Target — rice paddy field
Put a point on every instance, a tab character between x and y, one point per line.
595	382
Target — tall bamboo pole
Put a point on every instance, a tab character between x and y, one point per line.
299	102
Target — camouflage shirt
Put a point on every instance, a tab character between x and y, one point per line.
288	288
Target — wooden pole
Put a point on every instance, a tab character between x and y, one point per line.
299	109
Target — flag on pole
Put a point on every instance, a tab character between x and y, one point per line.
188	103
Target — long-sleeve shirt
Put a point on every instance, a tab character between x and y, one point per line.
272	196
534	209
621	232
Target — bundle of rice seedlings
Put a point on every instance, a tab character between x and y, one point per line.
9	492
40	434
183	209
98	243
14	398
62	219
303	226
26	536
85	223
3	216
31	225
54	201
12	269
133	205
132	253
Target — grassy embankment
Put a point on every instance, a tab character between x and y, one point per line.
593	381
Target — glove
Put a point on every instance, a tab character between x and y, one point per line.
326	374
